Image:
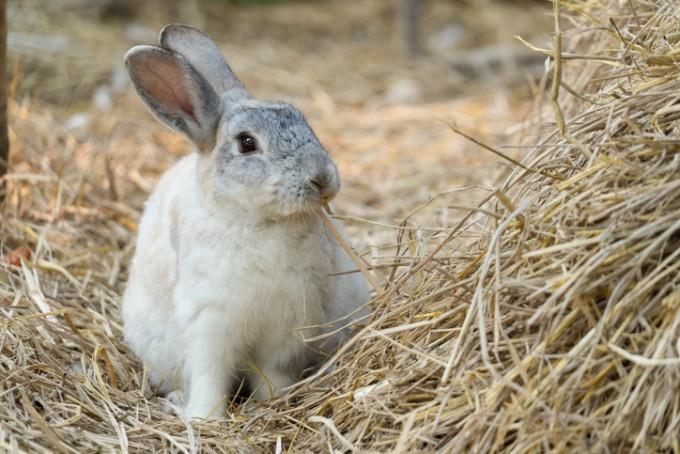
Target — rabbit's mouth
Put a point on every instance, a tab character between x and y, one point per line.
325	196
325	186
305	197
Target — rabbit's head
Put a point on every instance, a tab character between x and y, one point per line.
260	156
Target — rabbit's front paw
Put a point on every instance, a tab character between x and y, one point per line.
206	408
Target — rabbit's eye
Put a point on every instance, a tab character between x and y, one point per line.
247	144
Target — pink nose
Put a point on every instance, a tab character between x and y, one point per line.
324	184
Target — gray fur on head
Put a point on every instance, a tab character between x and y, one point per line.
188	85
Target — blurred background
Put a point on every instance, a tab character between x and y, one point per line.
379	80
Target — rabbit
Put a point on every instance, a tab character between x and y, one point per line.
233	268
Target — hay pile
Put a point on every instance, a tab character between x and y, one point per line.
557	328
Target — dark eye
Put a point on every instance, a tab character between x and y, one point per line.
247	144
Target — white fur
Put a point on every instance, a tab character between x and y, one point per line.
227	293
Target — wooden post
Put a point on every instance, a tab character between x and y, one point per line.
4	133
410	21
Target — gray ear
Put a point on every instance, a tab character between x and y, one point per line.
176	93
203	54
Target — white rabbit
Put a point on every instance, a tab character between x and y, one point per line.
234	268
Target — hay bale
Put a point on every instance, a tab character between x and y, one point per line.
558	329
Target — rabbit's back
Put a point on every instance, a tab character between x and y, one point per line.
148	307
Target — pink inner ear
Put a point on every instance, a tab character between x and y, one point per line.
167	84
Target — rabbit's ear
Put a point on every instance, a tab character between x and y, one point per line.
175	93
203	54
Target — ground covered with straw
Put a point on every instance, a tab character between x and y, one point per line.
545	317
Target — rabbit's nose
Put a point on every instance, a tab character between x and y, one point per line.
324	183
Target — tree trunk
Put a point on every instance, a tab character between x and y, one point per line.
4	133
